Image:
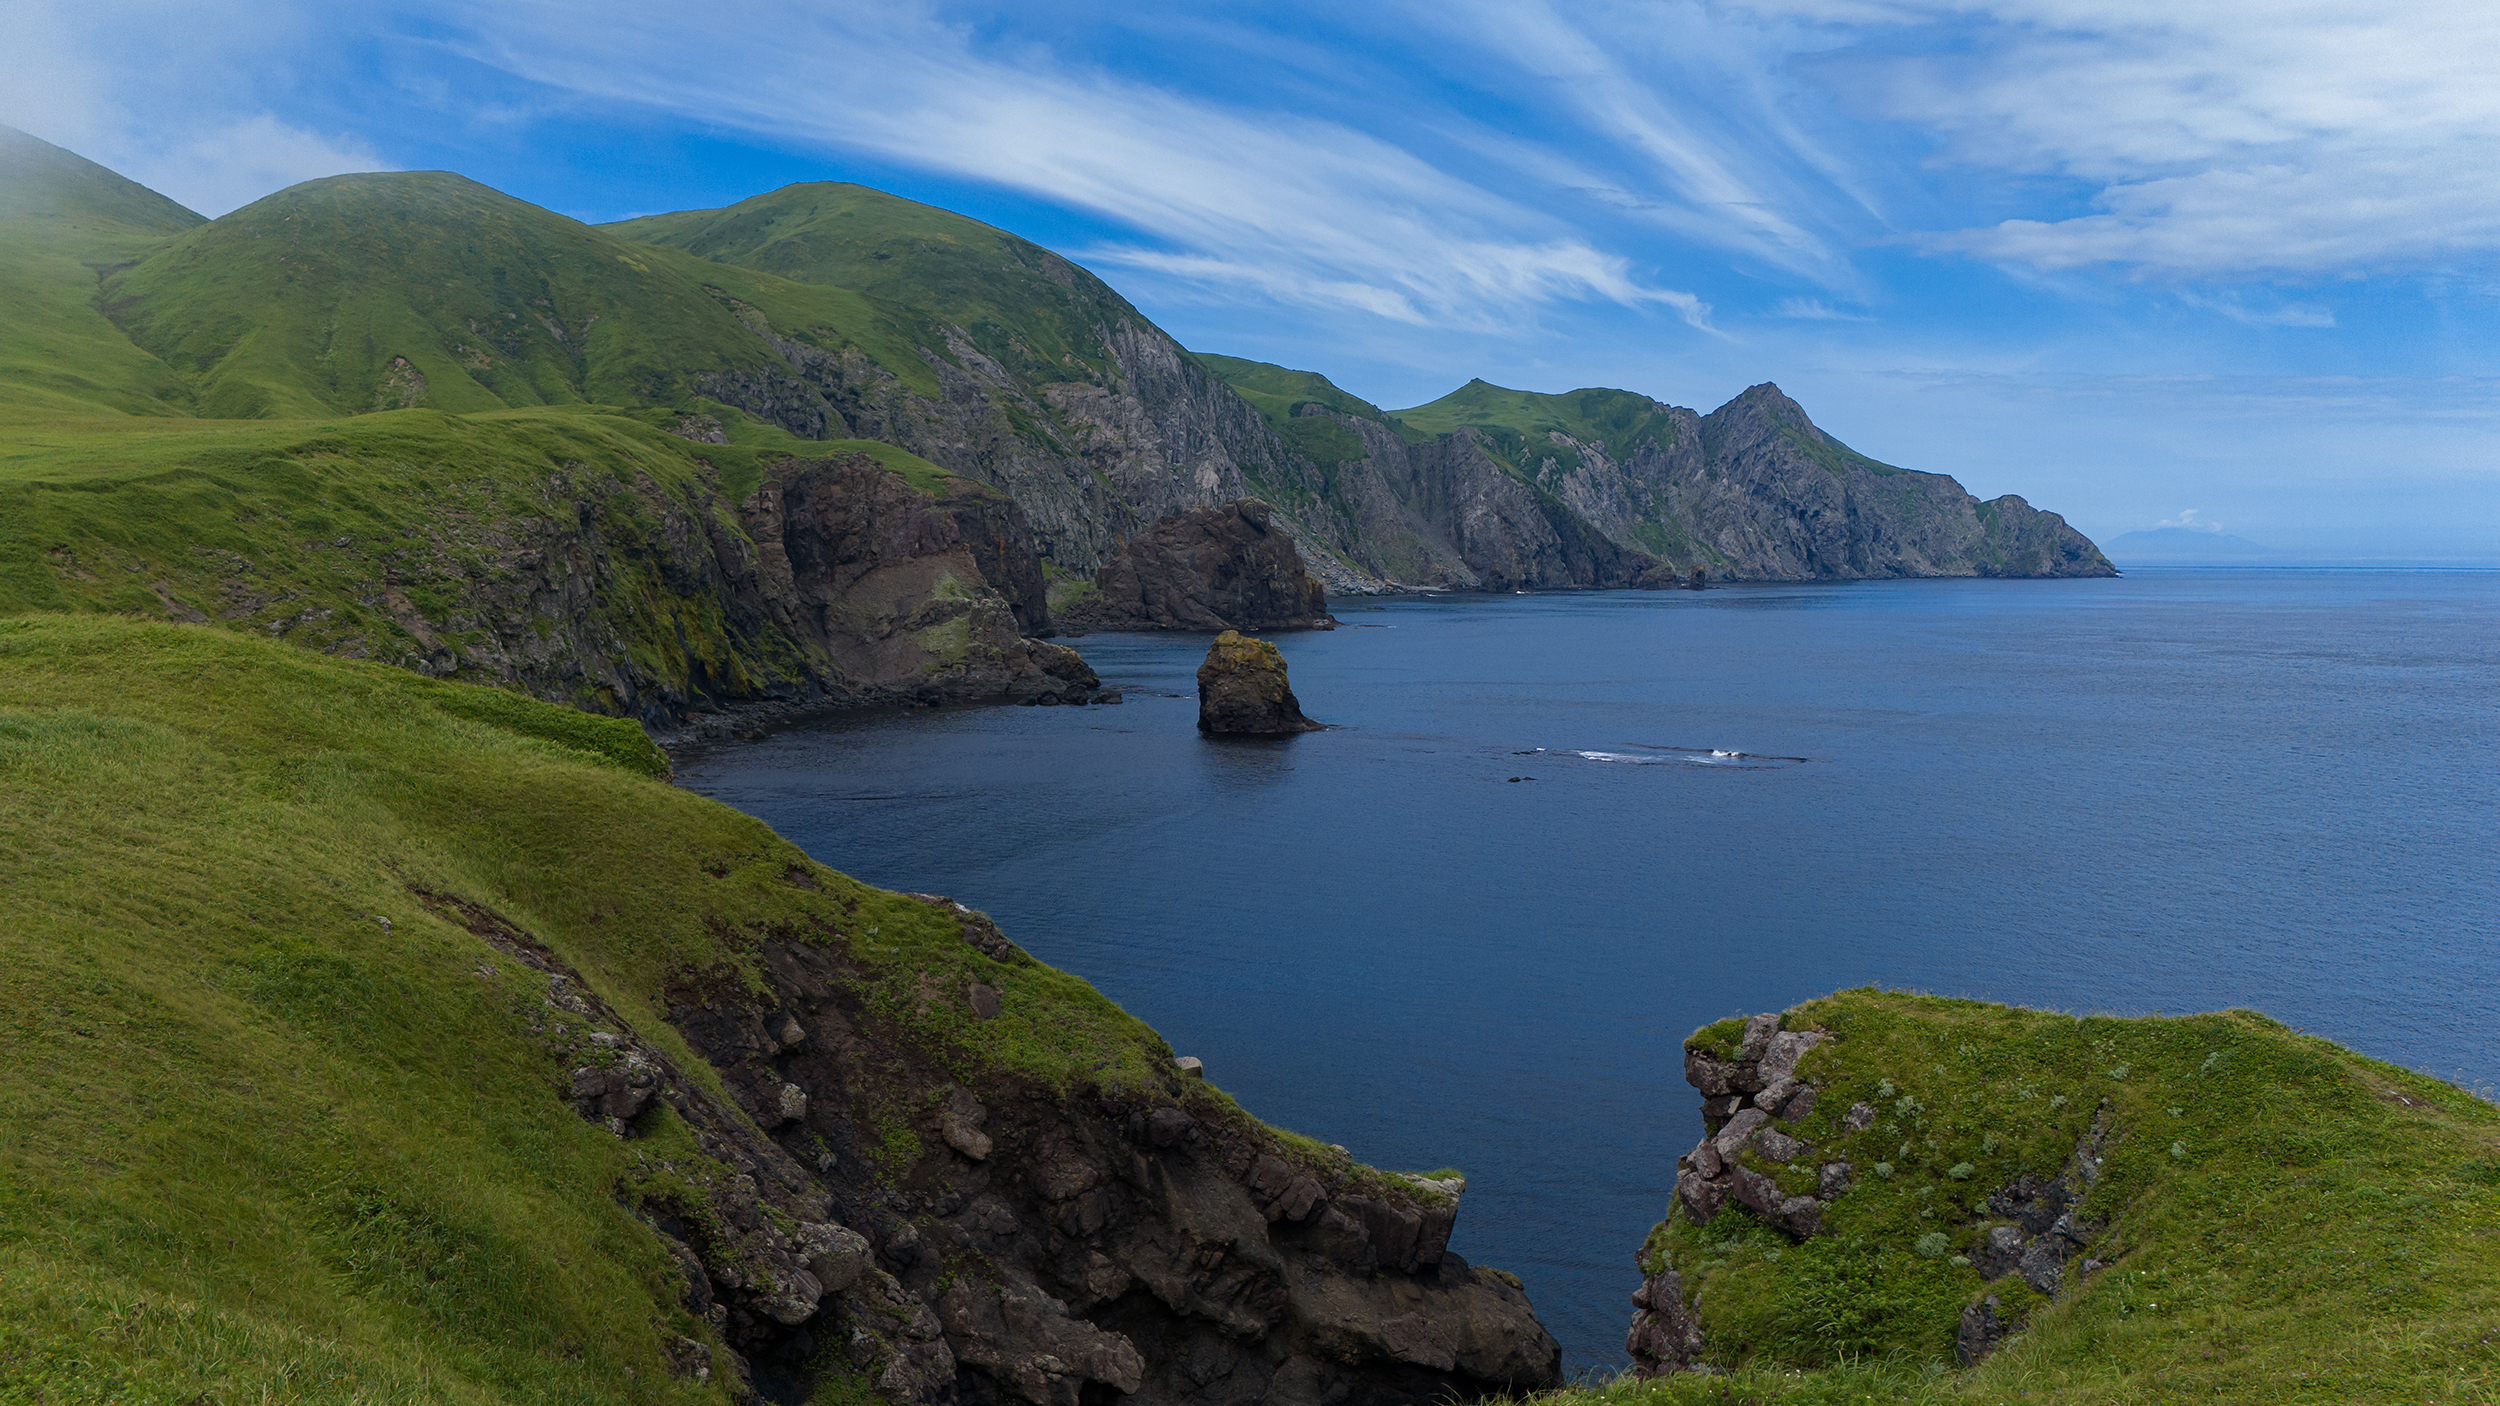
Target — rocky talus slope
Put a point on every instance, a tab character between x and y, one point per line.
1227	567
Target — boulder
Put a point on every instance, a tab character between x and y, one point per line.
1229	567
1242	691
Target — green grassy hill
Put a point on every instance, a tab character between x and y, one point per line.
64	222
1618	419
376	537
380	292
373	292
2276	1219
274	1126
1037	314
1278	392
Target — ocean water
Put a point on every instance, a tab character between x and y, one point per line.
2174	791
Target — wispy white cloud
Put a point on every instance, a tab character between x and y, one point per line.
1816	310
1683	169
1285	206
2230	305
2187	518
2229	140
160	91
233	164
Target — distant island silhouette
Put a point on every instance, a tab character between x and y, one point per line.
2184	544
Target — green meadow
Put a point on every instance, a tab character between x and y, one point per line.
274	1129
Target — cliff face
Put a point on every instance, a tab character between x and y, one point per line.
1774	498
2036	1196
1222	568
1044	1247
1090	461
1143	430
833	583
1751	492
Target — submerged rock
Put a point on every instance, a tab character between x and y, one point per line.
1242	691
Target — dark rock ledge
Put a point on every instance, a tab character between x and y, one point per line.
1031	1244
1229	567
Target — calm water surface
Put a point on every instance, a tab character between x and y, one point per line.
2179	790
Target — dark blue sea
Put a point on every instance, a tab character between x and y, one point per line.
2178	790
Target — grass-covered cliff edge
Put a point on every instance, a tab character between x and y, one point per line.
2257	1215
368	1037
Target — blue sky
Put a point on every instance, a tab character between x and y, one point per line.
2126	259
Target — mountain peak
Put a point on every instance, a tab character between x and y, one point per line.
42	180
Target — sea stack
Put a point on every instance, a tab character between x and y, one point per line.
1242	691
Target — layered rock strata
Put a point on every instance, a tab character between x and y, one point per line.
1229	567
1243	692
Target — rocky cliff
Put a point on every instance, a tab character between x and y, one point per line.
458	1055
957	1234
832	583
1052	1246
1751	492
1889	1187
1223	568
1123	427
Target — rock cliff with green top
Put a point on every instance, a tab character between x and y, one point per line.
1919	1199
370	1037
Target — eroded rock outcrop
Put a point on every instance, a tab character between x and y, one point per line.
1745	1101
2041	1233
954	1233
833	583
1063	1245
905	597
1229	567
1242	691
1750	1162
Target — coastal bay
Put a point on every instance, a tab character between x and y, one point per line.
2172	791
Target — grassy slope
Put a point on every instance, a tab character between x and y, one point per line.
113	497
1521	420
252	1140
298	304
2289	1221
1037	314
63	220
1276	392
291	527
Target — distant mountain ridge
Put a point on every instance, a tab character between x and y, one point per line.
834	312
2184	544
